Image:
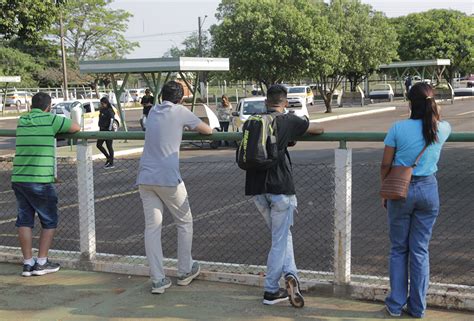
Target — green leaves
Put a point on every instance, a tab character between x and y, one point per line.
92	29
437	34
28	20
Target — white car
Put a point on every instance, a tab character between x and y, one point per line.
246	108
304	92
381	91
136	94
18	98
88	109
256	105
297	106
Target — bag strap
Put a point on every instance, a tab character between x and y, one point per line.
419	156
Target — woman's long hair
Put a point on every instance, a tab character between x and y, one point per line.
225	101
106	101
424	107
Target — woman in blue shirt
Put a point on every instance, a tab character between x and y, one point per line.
411	220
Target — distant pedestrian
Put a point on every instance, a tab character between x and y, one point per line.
147	102
408	83
160	183
411	220
106	123
274	195
33	180
224	111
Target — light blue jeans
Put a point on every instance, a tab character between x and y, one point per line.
411	223
278	210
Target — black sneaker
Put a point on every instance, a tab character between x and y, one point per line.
273	298
109	165
293	288
27	270
48	267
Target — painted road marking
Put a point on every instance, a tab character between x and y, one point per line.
105	198
468	112
8	220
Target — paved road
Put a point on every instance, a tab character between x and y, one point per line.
228	229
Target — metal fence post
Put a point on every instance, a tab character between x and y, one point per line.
342	215
85	190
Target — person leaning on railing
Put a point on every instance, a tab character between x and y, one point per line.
33	180
411	220
159	182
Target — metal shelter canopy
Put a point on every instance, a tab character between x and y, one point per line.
7	80
433	68
151	69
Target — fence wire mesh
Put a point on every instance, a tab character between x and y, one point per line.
229	231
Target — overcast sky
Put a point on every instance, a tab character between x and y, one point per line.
159	24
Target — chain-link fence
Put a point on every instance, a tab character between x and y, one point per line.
231	236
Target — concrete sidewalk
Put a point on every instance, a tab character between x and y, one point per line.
78	295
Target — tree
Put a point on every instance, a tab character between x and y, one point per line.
27	20
16	63
438	34
92	29
364	38
191	46
267	40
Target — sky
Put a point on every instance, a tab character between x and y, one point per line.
160	24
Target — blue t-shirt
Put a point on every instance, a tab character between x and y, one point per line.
406	136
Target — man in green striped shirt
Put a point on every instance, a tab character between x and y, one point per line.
33	180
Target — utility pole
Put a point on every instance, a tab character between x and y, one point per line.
63	50
199	37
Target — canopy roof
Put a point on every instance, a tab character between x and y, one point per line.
417	63
183	64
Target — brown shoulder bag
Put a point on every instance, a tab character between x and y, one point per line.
396	183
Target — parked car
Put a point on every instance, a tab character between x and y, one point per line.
256	105
19	98
247	107
304	92
136	94
297	105
381	91
470	81
88	109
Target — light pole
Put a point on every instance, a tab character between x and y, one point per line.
63	50
198	74
200	34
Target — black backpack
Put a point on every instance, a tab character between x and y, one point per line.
258	149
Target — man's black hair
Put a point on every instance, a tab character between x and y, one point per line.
276	94
172	91
41	100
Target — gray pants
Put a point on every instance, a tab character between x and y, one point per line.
176	200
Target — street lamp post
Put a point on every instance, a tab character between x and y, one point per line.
63	50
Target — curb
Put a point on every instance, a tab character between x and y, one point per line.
362	113
9	118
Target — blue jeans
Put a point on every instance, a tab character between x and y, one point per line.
36	197
411	223
277	210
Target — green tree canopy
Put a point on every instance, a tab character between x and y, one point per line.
438	34
16	63
191	46
364	39
27	20
267	40
93	29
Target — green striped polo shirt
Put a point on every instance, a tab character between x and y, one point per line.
35	150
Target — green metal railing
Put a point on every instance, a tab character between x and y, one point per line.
341	137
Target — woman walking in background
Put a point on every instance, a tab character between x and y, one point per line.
106	122
224	111
411	220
